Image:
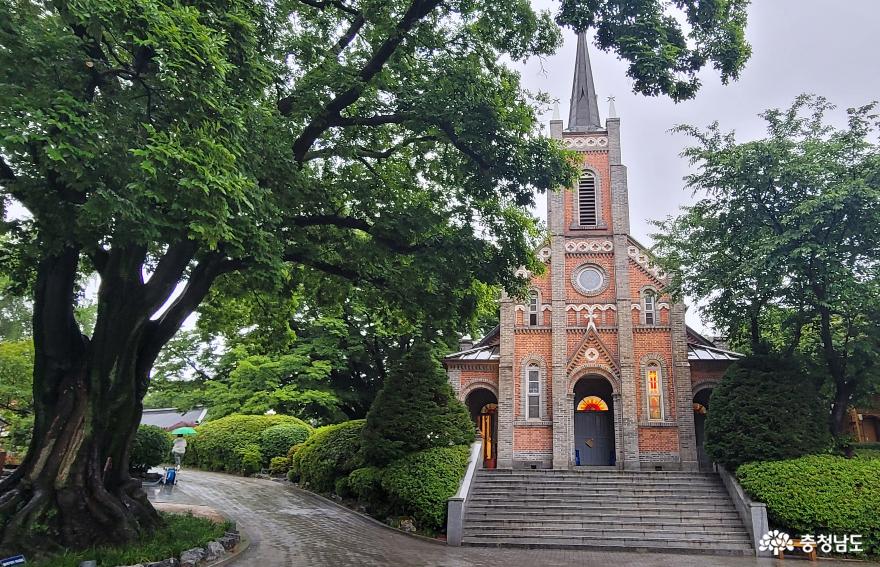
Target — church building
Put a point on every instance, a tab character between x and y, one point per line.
596	366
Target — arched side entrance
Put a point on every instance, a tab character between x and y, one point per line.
594	422
483	407
701	409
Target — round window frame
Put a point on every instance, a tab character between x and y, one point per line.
575	279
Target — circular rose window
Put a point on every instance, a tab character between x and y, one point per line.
590	280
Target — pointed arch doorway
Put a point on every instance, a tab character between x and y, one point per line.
593	422
483	407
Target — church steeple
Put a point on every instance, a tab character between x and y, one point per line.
583	116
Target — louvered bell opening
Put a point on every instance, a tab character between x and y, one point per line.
587	200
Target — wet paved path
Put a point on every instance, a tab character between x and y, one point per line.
289	527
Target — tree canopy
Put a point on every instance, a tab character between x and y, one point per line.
166	146
783	244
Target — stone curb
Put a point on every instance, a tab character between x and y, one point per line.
243	544
364	516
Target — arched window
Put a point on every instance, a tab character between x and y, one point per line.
588	213
649	307
534	308
654	386
533	392
592	403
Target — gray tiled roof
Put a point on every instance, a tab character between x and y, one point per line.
168	418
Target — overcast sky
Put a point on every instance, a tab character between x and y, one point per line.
824	47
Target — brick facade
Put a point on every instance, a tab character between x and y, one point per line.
593	342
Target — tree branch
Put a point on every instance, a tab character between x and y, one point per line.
333	269
324	4
377	120
6	173
168	272
349	34
356	224
449	130
368	153
417	10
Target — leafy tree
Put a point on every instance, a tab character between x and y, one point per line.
764	410
784	244
415	410
166	146
16	393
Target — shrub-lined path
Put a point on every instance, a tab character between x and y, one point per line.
291	527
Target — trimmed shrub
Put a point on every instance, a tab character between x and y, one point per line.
819	494
330	453
220	443
420	484
151	447
278	439
366	484
250	458
341	488
279	466
415	410
765	409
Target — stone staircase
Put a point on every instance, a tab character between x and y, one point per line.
675	512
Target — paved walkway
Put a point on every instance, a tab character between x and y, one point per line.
290	527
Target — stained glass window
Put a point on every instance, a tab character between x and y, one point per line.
655	395
592	403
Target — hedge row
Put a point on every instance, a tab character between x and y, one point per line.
819	494
244	443
416	485
151	447
330	453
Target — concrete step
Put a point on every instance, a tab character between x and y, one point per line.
620	518
637	545
607	509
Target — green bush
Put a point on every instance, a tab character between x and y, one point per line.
415	410
765	409
250	458
819	494
366	484
420	484
278	439
151	447
341	487
330	453
219	444
279	466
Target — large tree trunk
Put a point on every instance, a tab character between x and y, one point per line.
73	488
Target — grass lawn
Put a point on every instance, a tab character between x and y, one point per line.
180	532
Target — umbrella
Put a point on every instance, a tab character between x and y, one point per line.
184	431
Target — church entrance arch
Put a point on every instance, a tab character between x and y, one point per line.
701	408
593	422
483	407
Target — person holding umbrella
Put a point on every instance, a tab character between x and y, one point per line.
178	450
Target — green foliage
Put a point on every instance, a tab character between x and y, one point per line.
664	55
329	454
783	245
151	447
819	494
420	483
16	394
250	459
366	484
278	439
415	410
341	487
178	533
232	443
279	466
764	409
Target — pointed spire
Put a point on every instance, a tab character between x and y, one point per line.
612	112
583	116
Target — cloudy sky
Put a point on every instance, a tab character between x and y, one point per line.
825	47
